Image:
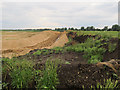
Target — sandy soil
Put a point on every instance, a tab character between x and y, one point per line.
20	43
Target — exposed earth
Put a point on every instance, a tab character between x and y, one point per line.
19	43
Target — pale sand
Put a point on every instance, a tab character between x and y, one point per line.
20	42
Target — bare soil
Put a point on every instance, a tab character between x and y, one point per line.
21	42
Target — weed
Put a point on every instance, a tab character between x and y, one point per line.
67	62
38	52
111	47
20	71
49	79
107	85
91	48
58	49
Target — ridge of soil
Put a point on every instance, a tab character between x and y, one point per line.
34	40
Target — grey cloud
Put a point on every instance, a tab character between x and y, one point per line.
22	15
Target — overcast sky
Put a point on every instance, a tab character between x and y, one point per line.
58	14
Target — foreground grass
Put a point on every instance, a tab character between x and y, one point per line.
22	74
108	84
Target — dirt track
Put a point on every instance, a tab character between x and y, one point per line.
20	43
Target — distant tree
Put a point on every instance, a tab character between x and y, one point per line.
88	28
91	28
65	28
116	27
105	28
76	29
82	28
97	29
72	28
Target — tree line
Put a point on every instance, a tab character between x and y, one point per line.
91	28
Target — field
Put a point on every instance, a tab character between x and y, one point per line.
57	60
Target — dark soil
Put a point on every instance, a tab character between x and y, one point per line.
77	73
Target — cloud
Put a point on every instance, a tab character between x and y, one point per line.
62	14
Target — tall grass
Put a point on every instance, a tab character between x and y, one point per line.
21	72
49	79
108	84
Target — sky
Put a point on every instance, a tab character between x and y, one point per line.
16	15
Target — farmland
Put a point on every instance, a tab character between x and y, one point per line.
53	60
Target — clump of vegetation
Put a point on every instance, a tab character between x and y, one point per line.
21	72
49	80
111	47
58	49
49	51
67	62
92	49
42	52
107	84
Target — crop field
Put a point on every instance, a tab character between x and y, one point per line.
114	34
61	60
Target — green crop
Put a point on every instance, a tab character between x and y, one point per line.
20	71
49	79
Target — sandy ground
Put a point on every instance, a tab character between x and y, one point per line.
21	42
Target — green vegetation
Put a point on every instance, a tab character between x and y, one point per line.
33	30
49	79
67	62
111	47
49	51
89	28
109	34
20	71
23	74
107	84
92	49
42	52
58	50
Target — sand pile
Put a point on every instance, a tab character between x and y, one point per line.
20	42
